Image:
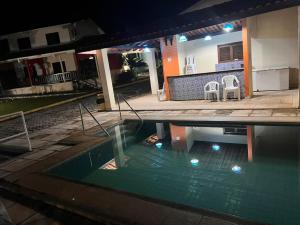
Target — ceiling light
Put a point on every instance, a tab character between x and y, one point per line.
182	38
207	38
228	27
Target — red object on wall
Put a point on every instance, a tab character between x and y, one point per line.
115	61
31	62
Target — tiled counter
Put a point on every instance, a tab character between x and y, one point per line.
191	87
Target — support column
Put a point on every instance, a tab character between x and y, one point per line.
104	74
150	60
170	60
118	151
160	131
62	68
246	36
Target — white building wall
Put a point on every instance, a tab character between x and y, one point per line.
205	52
274	39
38	36
68	58
215	134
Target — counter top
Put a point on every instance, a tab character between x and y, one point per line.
202	74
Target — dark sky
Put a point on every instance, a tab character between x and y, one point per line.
110	15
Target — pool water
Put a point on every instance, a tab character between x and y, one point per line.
251	172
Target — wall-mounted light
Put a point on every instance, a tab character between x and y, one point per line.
182	38
207	38
228	27
91	57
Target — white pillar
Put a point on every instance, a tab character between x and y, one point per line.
118	150
105	77
150	60
62	68
160	130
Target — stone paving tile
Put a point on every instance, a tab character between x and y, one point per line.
6	202
38	154
177	217
57	147
261	113
214	221
38	219
17	164
240	112
3	173
284	112
18	213
55	137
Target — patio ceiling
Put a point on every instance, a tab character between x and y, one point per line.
196	20
211	30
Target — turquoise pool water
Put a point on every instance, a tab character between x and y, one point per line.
201	167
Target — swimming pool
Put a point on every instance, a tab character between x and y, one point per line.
252	172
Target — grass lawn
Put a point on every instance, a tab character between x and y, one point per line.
27	104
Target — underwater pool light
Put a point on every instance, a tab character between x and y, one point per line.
194	162
236	169
215	147
159	145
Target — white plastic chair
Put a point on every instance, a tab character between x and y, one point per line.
161	94
212	87
228	83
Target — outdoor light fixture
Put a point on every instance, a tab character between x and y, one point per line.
91	57
236	169
207	38
146	49
158	145
182	38
228	27
215	147
126	68
195	162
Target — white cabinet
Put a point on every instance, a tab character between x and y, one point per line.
271	79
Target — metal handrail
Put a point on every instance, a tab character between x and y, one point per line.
83	128
21	133
129	107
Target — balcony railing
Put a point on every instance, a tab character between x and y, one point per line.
59	77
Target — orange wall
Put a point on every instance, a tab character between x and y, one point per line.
247	59
178	132
169	60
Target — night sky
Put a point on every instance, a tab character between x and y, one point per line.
110	15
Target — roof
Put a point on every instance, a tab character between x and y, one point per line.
216	14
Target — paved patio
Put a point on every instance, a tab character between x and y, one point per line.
261	100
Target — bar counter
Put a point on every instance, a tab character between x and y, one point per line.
191	87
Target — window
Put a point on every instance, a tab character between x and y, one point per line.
52	38
57	68
24	43
4	46
230	52
235	131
